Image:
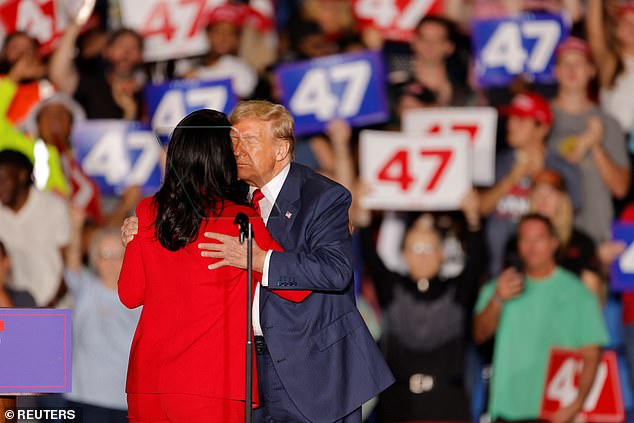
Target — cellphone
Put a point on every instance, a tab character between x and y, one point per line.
515	261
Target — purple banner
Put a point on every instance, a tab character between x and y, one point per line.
35	350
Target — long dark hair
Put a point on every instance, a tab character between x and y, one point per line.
200	174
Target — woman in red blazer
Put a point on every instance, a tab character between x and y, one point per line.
188	353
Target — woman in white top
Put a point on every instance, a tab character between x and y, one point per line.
612	45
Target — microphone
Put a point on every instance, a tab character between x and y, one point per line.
242	220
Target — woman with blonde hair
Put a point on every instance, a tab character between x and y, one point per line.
577	252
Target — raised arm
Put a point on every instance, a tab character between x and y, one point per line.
604	57
73	250
62	71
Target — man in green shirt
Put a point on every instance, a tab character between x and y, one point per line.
531	313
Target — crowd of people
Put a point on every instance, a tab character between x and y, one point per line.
521	267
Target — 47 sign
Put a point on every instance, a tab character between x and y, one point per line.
347	86
406	172
523	45
603	404
118	154
395	19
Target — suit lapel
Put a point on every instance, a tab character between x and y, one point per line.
285	208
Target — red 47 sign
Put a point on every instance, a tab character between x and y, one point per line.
405	172
477	125
39	18
604	403
395	19
171	28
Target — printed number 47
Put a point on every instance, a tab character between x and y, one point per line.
397	169
313	96
562	387
504	48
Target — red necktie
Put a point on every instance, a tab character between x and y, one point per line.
288	294
255	200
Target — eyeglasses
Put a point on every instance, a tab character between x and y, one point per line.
422	248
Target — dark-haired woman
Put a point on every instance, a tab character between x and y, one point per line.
188	353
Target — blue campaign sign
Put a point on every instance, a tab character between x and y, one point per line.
521	45
171	101
35	350
622	269
346	86
118	154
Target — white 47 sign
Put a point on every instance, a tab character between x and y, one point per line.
404	172
476	124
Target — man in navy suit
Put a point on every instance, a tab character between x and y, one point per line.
316	360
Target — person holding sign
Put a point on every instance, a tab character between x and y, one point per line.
531	309
427	315
316	360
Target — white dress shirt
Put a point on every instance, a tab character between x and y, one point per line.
271	191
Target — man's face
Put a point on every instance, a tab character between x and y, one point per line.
521	131
224	38
256	151
573	71
54	124
536	245
432	43
9	185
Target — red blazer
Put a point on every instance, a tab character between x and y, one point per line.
191	335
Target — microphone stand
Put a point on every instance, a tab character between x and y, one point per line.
246	232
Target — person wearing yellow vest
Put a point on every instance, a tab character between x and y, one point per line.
48	170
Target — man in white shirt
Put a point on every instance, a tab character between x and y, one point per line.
34	227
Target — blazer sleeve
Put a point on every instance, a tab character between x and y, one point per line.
324	261
132	281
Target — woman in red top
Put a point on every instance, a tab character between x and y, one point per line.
188	353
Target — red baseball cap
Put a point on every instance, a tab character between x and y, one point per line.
228	12
530	105
574	44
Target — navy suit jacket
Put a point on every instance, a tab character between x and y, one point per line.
321	348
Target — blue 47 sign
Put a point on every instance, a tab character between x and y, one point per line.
169	102
346	86
118	154
522	45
